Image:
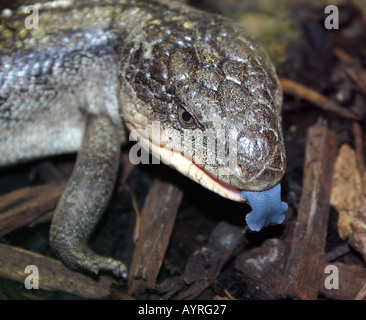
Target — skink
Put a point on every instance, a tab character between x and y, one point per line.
95	71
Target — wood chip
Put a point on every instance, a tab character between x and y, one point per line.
302	271
346	189
22	207
351	281
53	275
157	222
349	193
358	223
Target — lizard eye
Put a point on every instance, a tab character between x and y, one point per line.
186	119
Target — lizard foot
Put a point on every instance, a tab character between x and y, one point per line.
79	257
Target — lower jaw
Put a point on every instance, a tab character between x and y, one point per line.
188	168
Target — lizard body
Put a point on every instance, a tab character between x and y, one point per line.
94	68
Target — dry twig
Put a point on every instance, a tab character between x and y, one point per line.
293	88
354	70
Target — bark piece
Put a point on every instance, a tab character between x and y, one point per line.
358	223
157	222
344	281
302	271
24	206
53	275
349	193
346	189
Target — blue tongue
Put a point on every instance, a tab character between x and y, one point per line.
267	207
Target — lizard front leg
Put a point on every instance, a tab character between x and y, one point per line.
86	197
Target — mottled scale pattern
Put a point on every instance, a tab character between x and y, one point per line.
51	76
143	59
219	74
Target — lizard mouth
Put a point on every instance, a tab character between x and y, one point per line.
188	168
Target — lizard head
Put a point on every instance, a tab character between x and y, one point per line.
215	100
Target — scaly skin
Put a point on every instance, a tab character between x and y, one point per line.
93	67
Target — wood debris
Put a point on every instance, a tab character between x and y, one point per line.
156	225
53	275
205	264
215	259
354	70
293	88
351	282
348	193
303	266
27	205
346	189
